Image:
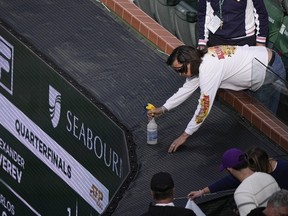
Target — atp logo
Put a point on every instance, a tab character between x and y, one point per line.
54	106
6	65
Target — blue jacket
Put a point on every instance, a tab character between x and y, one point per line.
229	182
241	18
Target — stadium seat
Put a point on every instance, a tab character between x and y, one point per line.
192	3
285	6
186	23
275	18
281	44
165	13
147	6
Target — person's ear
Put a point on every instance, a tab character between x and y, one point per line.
189	68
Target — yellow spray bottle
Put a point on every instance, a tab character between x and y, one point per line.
152	133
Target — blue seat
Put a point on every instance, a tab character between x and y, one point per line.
275	19
186	23
165	13
285	5
147	6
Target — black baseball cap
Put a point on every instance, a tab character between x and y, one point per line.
161	182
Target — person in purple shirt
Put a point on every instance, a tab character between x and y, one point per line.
259	161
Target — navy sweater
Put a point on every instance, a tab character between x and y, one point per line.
241	18
280	174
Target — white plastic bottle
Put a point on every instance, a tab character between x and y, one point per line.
152	133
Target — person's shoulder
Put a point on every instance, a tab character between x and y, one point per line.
263	175
184	211
148	213
282	161
169	210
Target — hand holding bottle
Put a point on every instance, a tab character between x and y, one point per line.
155	111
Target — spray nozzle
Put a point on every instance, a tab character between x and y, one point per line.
150	106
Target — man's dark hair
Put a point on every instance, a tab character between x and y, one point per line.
243	162
162	185
160	195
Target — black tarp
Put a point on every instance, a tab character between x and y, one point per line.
123	72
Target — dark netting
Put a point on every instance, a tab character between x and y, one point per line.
121	72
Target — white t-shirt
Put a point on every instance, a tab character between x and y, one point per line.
226	67
254	192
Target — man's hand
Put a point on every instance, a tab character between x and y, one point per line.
154	113
194	194
178	142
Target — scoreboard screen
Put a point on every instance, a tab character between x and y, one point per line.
59	153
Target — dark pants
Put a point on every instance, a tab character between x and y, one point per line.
215	40
274	84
